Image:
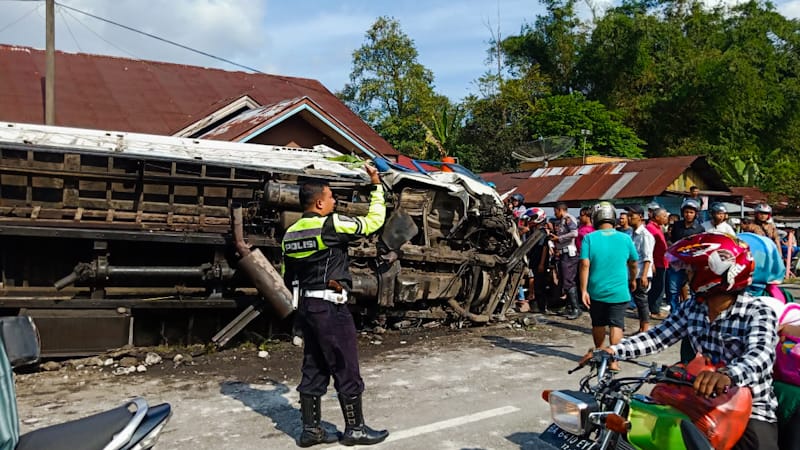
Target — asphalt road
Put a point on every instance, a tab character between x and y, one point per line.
478	390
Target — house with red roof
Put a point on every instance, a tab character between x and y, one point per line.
120	94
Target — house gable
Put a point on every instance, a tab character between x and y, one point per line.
294	122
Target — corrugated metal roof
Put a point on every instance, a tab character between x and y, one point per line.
629	179
751	195
104	92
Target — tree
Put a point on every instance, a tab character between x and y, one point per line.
566	115
524	111
389	88
553	43
441	131
710	81
495	124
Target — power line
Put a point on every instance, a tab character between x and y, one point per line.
14	22
218	58
102	38
66	24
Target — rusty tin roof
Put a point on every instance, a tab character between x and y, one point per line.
627	179
105	92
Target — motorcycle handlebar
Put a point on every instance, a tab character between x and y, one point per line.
598	358
667	374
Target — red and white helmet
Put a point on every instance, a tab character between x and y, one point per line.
720	262
535	215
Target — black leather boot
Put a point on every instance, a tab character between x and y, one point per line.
355	431
313	433
573	306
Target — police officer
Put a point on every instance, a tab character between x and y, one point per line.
316	265
564	236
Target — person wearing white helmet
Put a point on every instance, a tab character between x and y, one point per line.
762	225
517	205
719	219
651	209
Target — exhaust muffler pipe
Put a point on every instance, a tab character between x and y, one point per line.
268	282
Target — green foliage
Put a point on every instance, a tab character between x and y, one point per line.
567	115
553	43
736	170
442	130
647	77
685	78
498	126
389	88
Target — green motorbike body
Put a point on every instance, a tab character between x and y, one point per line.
654	426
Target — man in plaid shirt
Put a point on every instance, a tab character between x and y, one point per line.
724	324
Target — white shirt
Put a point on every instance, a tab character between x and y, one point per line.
723	227
644	242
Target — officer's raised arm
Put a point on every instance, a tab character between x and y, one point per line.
375	217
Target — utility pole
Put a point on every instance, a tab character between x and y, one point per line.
50	57
584	133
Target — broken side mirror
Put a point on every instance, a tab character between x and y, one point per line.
20	339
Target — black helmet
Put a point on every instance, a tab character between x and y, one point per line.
604	212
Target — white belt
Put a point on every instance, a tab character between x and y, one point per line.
329	295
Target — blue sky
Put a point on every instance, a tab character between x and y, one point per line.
308	38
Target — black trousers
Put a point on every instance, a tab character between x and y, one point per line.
789	433
543	289
568	266
656	293
329	349
758	435
640	298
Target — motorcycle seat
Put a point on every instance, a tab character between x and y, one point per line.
89	433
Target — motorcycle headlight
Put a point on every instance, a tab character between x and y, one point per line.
570	410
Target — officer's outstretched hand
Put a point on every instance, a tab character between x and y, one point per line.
373	174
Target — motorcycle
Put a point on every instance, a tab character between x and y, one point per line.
611	414
132	426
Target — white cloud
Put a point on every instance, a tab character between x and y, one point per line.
790	9
231	29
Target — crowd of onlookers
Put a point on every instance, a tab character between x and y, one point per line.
722	289
554	263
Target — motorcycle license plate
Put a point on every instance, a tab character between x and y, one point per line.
565	440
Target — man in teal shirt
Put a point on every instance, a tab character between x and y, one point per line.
608	275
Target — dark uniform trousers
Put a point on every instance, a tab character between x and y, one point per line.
329	349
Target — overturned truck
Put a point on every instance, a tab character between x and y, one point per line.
113	238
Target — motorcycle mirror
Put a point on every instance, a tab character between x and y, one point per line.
19	339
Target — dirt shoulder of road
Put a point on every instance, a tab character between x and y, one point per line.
280	359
